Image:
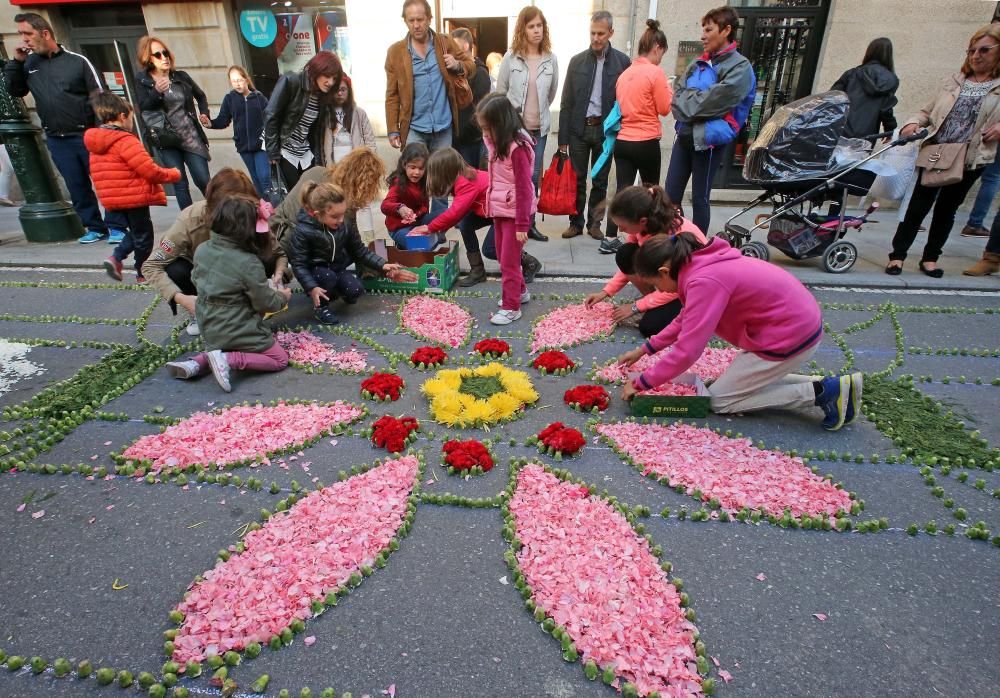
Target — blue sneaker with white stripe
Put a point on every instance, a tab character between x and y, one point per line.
834	397
115	236
92	236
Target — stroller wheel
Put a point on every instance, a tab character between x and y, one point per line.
840	257
757	250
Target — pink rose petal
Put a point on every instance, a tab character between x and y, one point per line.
819	616
309	641
725	675
38	514
306	348
21	507
572	324
760	577
437	320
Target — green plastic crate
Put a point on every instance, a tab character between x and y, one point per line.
436	270
674	407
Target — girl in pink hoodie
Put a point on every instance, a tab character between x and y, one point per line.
754	306
641	213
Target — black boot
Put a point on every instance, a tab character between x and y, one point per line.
529	267
477	273
535	234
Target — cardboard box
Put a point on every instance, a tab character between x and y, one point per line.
674	407
436	270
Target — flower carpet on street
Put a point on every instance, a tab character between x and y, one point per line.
307	349
424	504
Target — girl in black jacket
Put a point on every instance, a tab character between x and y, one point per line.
160	88
323	245
244	108
871	87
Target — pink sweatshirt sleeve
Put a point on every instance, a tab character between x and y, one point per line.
657	299
465	196
706	301
524	190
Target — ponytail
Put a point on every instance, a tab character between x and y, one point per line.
318	196
652	203
670	251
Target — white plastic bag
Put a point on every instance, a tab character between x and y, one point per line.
902	159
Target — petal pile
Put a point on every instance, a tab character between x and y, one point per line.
439	321
571	325
732	471
308	349
238	433
597	578
296	558
710	365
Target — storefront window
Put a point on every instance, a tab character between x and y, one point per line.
281	37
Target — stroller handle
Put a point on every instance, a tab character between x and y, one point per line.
919	135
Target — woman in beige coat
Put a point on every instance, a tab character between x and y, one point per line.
965	110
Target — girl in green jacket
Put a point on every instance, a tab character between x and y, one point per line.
233	296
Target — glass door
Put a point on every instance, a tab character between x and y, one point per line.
782	42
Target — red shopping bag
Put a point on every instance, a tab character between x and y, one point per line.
558	196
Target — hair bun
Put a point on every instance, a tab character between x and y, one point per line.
653	24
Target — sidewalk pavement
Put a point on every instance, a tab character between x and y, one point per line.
579	257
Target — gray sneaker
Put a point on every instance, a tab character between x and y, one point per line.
183	369
220	369
609	245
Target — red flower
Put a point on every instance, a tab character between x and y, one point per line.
465	455
553	361
562	439
428	356
393	434
587	397
492	348
382	386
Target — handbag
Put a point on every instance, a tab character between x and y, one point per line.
159	131
943	163
558	192
277	192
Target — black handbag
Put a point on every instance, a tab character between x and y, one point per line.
277	192
159	131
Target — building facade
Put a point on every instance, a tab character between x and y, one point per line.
797	46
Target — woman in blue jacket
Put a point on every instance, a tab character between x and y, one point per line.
244	108
711	103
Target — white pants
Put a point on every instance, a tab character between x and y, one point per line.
752	383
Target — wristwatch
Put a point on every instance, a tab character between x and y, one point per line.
635	309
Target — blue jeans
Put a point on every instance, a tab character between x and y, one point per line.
73	162
536	176
399	236
339	284
472	153
173	157
433	141
699	166
260	170
472	222
989	183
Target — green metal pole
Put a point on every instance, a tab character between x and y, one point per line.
46	216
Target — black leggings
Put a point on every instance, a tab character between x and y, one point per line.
655	320
631	157
180	270
945	201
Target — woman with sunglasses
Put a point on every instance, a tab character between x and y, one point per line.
964	115
160	88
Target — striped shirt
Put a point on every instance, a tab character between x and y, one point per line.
296	149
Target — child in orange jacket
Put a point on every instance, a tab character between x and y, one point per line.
126	179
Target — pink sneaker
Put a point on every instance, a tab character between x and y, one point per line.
113	267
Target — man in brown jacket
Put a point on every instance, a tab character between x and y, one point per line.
420	100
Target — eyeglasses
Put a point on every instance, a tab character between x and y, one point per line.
982	50
164	54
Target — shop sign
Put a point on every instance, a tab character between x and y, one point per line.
259	27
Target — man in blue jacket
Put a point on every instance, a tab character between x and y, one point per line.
587	98
61	82
711	103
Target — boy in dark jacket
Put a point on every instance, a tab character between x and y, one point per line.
127	179
323	245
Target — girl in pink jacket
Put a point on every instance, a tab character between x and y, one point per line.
754	306
510	199
643	212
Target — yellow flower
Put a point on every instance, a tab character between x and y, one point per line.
450	406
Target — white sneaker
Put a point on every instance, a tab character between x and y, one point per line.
183	369
525	297
505	317
192	328
220	369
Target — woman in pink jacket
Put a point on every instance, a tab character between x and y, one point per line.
754	306
643	96
643	213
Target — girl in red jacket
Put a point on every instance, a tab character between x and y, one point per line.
407	205
126	179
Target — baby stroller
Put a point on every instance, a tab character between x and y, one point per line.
802	163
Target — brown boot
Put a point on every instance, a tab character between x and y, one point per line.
594	231
972	231
989	264
571	232
477	273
